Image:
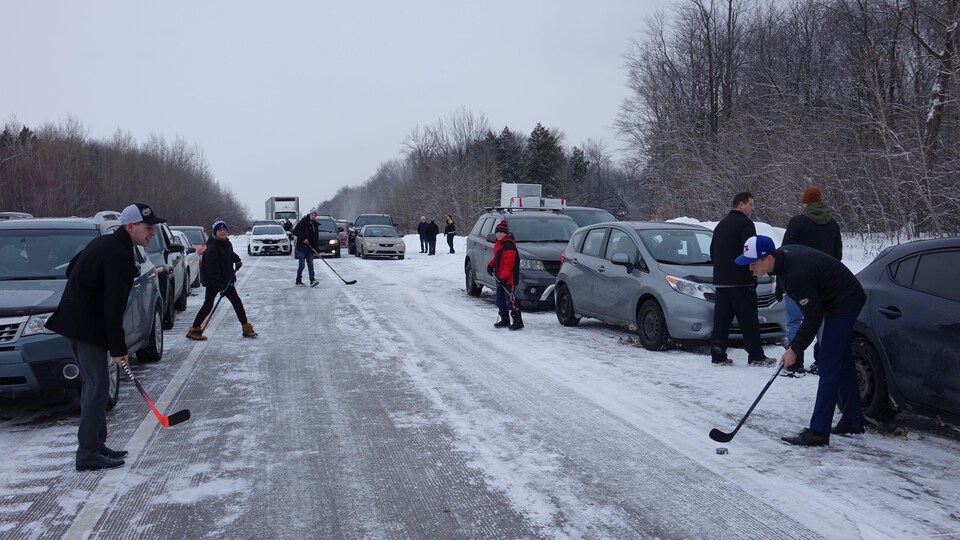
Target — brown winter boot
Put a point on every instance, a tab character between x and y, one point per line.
248	330
195	334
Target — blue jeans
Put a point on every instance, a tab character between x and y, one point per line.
838	375
304	257
505	297
795	318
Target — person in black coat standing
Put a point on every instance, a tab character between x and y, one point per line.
218	275
736	288
433	230
450	230
90	316
816	228
829	294
422	232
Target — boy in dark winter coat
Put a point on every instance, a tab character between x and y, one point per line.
449	231
816	228
218	275
505	268
829	295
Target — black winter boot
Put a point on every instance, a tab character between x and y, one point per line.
504	319
517	321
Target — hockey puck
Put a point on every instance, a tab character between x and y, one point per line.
721	450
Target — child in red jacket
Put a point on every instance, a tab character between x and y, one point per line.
505	268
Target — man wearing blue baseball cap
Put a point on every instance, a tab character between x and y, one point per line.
828	293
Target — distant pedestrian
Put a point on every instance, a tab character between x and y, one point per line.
287	225
422	231
433	230
90	316
813	227
505	269
450	230
218	276
829	294
736	289
307	233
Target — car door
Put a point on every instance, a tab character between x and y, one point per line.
915	313
590	263
618	287
137	319
482	253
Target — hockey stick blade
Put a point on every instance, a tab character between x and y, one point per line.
720	436
165	421
351	282
177	418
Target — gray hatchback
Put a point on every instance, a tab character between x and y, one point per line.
654	278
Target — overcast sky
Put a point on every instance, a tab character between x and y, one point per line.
302	98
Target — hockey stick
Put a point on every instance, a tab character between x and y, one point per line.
345	282
212	311
720	436
166	421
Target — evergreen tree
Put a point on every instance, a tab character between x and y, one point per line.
511	157
545	160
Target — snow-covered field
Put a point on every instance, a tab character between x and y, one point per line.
418	402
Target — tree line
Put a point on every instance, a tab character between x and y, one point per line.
58	170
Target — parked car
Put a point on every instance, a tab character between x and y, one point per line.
907	338
655	279
329	237
268	239
34	255
197	237
379	241
165	252
191	258
540	236
365	219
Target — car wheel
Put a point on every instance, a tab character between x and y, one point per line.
874	399
249	251
168	312
652	326
363	254
113	379
153	350
351	250
336	254
181	303
472	288
196	281
565	312
399	257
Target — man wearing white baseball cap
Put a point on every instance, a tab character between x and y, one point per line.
828	293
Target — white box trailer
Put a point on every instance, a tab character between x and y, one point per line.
527	196
280	208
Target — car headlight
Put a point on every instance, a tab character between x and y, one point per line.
333	241
531	264
35	325
689	288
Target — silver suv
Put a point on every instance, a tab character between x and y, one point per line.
540	235
654	278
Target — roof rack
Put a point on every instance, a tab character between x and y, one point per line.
512	209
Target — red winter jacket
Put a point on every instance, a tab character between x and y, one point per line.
506	260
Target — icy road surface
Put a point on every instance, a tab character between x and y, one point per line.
393	409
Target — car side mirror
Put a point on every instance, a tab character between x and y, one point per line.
492	238
339	229
191	249
621	259
176	247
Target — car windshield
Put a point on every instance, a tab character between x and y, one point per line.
268	229
380	232
678	246
589	216
372	220
40	254
542	229
194	235
326	225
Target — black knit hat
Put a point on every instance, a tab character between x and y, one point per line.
502	227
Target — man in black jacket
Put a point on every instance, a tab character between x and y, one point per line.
90	316
829	294
736	288
433	230
307	233
813	227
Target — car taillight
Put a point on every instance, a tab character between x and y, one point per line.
563	255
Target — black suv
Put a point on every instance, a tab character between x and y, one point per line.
329	237
34	254
366	219
541	236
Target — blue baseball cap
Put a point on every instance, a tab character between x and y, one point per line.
756	247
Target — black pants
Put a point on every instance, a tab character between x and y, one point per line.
210	296
423	244
94	394
432	242
742	303
450	242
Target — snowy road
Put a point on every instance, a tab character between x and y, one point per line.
393	409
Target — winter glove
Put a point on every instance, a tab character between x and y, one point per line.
238	265
490	270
